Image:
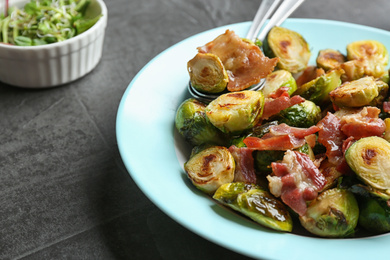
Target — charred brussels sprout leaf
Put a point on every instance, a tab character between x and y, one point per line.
329	59
207	73
334	213
318	89
192	124
255	203
372	53
237	111
357	93
290	47
263	160
210	168
303	115
278	79
383	89
374	208
369	159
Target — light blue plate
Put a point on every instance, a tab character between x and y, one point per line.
154	155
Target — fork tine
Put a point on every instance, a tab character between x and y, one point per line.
261	16
284	11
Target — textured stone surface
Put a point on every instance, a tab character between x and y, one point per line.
64	192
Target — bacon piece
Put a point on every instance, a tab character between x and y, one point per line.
277	142
331	136
273	106
245	169
310	73
245	63
296	180
363	123
295	131
281	137
386	106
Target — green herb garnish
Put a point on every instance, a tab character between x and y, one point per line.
44	21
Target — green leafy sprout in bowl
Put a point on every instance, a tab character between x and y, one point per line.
45	21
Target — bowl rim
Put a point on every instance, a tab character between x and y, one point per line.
101	22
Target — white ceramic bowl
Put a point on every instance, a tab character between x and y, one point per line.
54	64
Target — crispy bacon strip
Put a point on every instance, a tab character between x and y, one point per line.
363	123
280	100
281	137
277	142
331	136
295	131
386	106
246	64
245	169
296	180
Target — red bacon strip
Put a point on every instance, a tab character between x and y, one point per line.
295	131
279	101
281	137
297	180
277	142
364	123
386	106
331	136
245	169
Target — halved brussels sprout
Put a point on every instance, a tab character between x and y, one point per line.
353	70
263	160
369	159
278	79
289	46
357	93
236	112
210	168
374	209
329	59
192	124
318	89
383	89
387	130
373	53
255	203
207	73
303	115
334	213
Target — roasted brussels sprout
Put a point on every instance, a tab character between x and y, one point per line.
278	79
334	213
192	124
210	168
374	209
373	54
302	115
383	89
263	159
387	129
236	112
207	73
353	70
369	159
318	89
289	46
255	203
357	93
329	59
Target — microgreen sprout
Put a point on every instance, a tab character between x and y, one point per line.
44	21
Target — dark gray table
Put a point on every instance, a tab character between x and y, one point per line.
64	191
